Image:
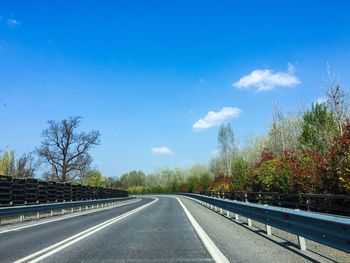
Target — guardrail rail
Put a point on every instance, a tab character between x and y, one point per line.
21	211
330	230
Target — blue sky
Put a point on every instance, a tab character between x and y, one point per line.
147	74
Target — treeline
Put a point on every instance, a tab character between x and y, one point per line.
304	152
64	156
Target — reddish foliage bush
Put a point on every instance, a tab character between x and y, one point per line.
291	172
337	174
221	183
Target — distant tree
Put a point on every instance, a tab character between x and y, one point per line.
26	166
240	169
133	178
66	150
318	129
199	178
226	145
252	152
94	178
337	100
7	163
84	169
284	132
217	165
112	182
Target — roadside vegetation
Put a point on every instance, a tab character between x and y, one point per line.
303	152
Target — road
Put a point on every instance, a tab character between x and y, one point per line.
153	229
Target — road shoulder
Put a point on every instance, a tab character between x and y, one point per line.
241	243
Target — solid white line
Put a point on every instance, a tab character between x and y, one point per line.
213	250
46	252
85	212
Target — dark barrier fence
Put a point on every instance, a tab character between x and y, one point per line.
17	191
331	204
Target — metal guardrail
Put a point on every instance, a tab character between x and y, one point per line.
323	203
333	231
20	211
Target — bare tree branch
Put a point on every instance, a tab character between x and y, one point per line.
66	150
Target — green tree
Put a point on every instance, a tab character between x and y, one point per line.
7	163
94	178
318	129
133	178
240	169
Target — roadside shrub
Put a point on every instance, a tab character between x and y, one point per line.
291	172
221	183
337	179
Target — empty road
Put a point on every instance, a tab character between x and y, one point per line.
151	229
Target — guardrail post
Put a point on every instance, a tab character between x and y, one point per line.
62	211
228	213
268	230
302	243
51	213
268	227
249	222
221	210
37	215
236	217
21	217
72	210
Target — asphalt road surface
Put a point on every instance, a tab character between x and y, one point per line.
153	229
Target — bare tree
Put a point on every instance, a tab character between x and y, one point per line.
26	166
337	99
84	168
65	149
226	145
284	131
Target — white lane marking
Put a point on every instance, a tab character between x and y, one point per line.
213	250
67	217
46	252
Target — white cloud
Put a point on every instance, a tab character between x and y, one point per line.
161	150
216	118
266	79
13	22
